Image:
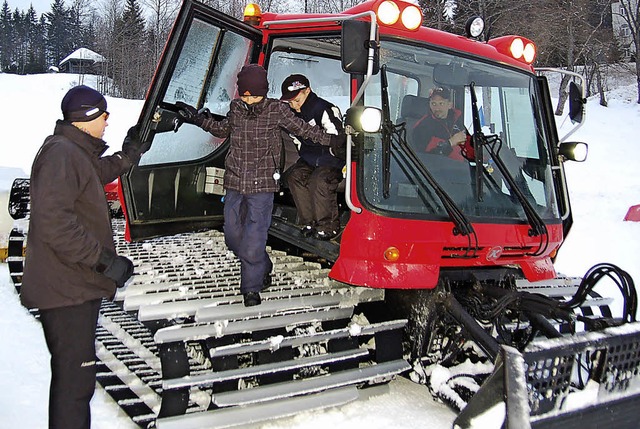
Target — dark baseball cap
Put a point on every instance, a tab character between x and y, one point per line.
293	85
441	92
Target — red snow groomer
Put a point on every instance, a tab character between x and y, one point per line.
445	255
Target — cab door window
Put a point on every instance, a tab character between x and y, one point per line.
204	76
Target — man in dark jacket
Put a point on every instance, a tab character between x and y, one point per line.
71	264
313	180
441	131
253	126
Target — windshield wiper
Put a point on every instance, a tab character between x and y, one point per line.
395	135
480	141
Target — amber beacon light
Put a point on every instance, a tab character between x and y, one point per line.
252	14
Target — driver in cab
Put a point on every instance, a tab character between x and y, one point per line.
441	130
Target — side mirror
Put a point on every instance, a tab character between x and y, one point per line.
573	151
364	119
576	103
354	47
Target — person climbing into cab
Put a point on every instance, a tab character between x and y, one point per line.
313	180
253	126
441	130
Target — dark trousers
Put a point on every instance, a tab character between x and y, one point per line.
314	190
70	333
247	218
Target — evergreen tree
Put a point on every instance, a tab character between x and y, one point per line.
20	42
131	71
59	34
6	37
36	58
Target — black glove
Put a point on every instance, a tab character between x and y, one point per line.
338	146
189	114
117	268
132	146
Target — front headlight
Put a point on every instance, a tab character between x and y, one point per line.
573	151
364	119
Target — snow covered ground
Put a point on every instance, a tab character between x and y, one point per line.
602	190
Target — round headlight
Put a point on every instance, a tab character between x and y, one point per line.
580	152
517	48
388	13
411	17
371	120
529	53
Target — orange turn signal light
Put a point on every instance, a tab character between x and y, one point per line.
392	254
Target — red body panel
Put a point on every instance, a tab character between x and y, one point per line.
425	34
111	190
427	246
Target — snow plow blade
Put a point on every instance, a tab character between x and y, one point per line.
591	380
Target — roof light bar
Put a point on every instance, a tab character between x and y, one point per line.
517	47
399	13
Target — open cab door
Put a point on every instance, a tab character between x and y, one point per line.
178	185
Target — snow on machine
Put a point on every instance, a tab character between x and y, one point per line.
443	270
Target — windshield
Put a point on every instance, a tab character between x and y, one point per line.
429	102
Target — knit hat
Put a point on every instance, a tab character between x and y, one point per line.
252	80
83	104
292	86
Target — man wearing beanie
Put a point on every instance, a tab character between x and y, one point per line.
253	126
313	180
71	263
